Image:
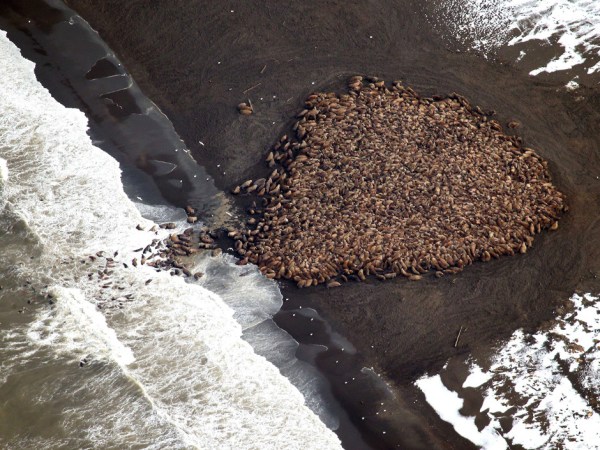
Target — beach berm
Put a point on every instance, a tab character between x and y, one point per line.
380	181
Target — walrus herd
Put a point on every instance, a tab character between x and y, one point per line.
380	181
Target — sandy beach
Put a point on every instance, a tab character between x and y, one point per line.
197	62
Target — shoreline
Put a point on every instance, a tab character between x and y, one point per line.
402	329
65	83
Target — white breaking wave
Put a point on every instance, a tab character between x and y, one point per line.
545	384
194	382
487	25
77	324
3	170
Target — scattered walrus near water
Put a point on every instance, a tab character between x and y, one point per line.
379	181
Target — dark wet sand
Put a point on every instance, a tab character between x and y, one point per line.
195	60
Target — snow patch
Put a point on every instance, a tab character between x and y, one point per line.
544	384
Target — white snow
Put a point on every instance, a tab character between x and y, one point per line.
536	381
487	25
448	404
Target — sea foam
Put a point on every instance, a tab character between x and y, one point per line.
171	358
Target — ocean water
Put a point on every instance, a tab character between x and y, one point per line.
101	354
109	361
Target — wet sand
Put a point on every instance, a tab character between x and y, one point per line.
197	62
